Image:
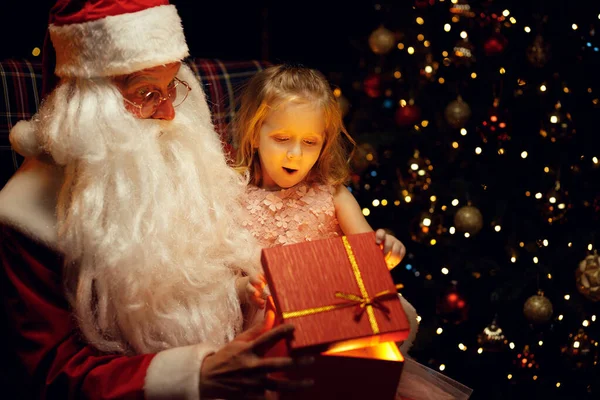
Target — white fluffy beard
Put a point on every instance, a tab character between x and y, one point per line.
147	219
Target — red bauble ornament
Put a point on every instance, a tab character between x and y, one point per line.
496	127
424	3
452	306
495	45
526	361
372	85
407	115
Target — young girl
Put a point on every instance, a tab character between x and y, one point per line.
292	143
293	146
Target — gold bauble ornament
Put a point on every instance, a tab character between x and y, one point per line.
457	113
538	53
463	53
427	227
462	8
588	277
580	351
555	203
492	338
538	309
417	176
382	40
430	67
468	219
558	124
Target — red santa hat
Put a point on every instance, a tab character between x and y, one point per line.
114	37
99	38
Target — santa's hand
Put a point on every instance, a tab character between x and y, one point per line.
240	371
251	289
393	249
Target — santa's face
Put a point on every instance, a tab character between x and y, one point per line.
152	92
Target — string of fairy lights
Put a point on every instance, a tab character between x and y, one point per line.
468	220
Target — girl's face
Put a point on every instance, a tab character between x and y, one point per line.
290	142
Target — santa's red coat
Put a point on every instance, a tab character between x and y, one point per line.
46	356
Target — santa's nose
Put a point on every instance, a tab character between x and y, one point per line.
164	111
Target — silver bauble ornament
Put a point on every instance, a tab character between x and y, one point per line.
457	113
468	219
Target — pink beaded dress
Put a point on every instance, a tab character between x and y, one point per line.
298	214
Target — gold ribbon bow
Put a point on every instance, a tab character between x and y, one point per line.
362	302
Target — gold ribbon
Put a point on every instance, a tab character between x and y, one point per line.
362	302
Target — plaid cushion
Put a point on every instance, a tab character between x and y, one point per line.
21	84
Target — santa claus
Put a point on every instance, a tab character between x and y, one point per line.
125	216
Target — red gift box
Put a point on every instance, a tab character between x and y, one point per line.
338	293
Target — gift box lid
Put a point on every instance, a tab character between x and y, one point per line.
337	292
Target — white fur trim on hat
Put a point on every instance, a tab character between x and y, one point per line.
120	44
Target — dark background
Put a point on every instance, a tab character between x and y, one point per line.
332	36
315	33
323	34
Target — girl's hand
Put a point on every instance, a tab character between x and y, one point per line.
251	289
393	249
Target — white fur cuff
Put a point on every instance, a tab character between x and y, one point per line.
412	316
174	374
120	44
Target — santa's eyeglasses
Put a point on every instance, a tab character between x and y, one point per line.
177	92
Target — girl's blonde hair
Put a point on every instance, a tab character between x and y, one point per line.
279	84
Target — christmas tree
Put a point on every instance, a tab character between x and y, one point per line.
475	125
